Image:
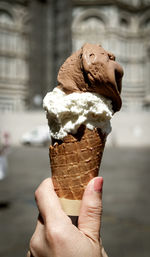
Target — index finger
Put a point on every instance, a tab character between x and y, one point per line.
48	202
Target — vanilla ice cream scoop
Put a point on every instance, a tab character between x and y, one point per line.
66	112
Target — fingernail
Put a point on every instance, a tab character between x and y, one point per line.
98	184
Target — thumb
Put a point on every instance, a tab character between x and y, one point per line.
91	209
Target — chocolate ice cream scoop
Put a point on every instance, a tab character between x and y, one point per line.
92	69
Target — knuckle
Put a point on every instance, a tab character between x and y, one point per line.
34	243
94	211
55	234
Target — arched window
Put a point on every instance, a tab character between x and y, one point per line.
88	26
92	24
5	18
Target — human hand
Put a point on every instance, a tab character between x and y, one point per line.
56	236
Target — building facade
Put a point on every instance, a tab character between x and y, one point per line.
122	27
35	39
37	36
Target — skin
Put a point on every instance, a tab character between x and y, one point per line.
56	236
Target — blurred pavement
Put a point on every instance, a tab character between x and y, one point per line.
126	204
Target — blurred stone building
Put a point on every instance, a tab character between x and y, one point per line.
36	37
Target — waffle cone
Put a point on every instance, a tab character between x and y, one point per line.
75	161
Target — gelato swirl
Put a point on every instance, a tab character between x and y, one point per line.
92	69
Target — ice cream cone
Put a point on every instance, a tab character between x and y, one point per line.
74	162
88	92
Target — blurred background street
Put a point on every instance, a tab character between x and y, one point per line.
126	208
